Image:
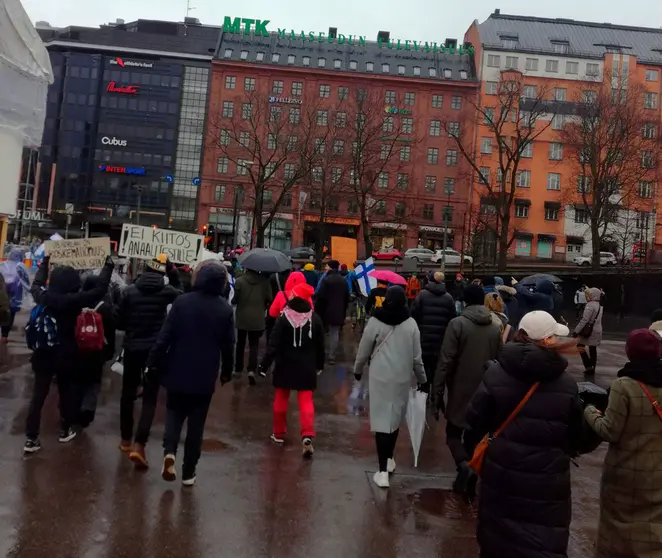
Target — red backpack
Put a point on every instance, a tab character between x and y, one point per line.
89	330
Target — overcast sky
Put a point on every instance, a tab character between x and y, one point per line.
415	20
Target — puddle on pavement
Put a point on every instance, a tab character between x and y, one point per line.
212	445
443	503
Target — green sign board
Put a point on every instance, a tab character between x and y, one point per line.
246	26
395	110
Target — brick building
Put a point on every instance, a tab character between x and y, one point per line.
418	85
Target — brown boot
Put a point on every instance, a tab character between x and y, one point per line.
125	446
138	456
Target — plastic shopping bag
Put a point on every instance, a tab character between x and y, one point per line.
118	365
416	419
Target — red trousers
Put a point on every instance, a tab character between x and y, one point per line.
306	412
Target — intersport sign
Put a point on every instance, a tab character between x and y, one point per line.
113	141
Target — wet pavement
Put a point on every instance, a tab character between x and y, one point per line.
252	499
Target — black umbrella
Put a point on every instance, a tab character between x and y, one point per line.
536	278
591	394
265	260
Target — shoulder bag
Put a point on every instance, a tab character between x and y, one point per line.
476	462
587	330
654	402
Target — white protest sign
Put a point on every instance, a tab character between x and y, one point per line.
145	243
79	253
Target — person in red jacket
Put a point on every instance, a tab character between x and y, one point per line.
295	279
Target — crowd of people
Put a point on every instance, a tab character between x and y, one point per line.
489	354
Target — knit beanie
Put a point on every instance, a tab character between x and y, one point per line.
643	344
158	263
473	295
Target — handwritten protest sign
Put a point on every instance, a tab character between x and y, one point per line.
79	253
145	243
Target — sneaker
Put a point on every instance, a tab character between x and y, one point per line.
308	449
589	371
470	492
188	478
138	456
278	438
251	378
463	474
262	372
32	445
381	479
390	465
67	435
125	446
168	472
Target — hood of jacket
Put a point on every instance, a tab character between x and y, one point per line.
210	278
64	280
437	289
594	293
394	309
647	371
545	287
16	255
91	282
253	277
478	315
506	292
302	291
295	278
530	363
150	282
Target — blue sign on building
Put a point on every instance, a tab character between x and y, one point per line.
169	178
196	181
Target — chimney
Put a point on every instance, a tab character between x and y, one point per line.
333	32
497	11
451	43
384	36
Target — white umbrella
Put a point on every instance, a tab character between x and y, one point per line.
416	419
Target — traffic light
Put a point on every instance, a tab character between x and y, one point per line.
204	230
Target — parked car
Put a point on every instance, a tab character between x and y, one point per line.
419	254
606	258
391	254
301	253
452	257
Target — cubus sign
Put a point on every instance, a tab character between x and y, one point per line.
246	26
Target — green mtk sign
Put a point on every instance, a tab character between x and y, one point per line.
246	26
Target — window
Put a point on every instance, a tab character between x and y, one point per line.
551	213
521	210
259	56
572	68
553	181
456	102
403	181
556	151
382	180
274	114
417	70
317	177
645	190
341	119
295	115
230	82
646	160
447	214
428	211
325	91
484	175
529	92
320	146
410	99
401	70
242	167
592	69
247	110
222	165
352	207
338	147
271	141
437	101
451	157
385	150
224	137
449	185
228	53
336	175
559	94
453	129
650	100
557	121
589	97
343	92
337	63
275	57
448	73
643	220
651	75
380	207
399	210
524	179
649	130
322	117
369	67
493	60
432	72
306	60
405	153
561	48
388	124
430	183
582	216
583	184
488	115
532	64
491	87
386	68
353	64
244	139
552	66
289	171
512	62
433	155
219	193
321	62
486	145
435	127
228	109
249	84
269	169
509	42
290	59
407	125
277	87
390	98
297	88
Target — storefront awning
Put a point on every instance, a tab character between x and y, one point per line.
552	205
570	239
547	237
523	235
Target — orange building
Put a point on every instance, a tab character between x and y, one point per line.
562	58
422	85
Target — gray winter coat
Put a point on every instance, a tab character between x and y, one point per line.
592	311
252	296
472	340
391	367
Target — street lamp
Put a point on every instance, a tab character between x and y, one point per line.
238	201
448	189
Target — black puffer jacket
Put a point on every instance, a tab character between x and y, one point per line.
525	504
142	310
332	299
432	310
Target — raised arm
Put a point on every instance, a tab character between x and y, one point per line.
610	425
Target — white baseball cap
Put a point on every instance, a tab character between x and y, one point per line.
541	325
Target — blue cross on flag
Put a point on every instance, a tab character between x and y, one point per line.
231	281
365	283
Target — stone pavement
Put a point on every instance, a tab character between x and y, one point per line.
252	499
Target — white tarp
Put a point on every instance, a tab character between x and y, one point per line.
25	74
145	243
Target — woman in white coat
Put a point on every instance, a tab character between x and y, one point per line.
391	344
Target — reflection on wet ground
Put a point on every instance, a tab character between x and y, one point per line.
253	499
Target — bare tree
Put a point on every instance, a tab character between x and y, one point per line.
613	143
518	115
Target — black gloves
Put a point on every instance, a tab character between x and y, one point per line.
425	388
440	406
169	266
358	376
